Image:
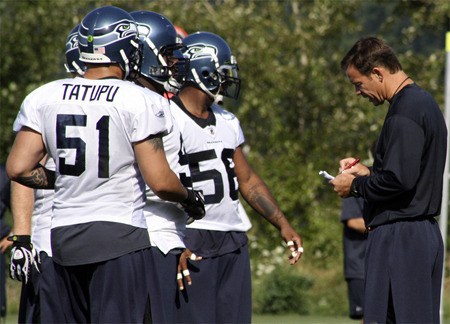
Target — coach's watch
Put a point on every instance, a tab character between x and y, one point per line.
353	191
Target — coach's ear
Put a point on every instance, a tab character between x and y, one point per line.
378	74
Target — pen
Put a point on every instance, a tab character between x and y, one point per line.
348	166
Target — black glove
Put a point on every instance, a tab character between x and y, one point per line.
23	257
194	205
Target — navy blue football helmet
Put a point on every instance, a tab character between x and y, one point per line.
73	63
162	59
212	67
109	35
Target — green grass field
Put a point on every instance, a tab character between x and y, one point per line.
291	319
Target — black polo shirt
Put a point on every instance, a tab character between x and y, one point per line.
407	175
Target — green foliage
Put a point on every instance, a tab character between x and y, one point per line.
329	292
284	291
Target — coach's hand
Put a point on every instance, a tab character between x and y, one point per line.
183	271
23	258
194	205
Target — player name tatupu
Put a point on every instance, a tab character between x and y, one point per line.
89	92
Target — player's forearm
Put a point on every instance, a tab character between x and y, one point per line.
22	203
169	188
357	224
156	171
22	164
38	178
258	196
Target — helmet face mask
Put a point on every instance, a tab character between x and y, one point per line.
230	82
109	35
212	67
163	62
135	60
177	64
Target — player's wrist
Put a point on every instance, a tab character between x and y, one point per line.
194	205
190	198
20	238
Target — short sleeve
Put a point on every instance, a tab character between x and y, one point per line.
351	208
27	116
240	134
153	120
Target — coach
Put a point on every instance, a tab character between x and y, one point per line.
402	191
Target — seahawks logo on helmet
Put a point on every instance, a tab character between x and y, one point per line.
72	42
125	29
144	30
200	51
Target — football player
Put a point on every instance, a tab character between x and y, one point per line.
163	68
104	135
39	296
213	140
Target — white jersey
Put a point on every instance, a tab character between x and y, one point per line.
41	219
166	221
88	127
210	150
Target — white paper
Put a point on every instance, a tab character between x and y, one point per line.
326	175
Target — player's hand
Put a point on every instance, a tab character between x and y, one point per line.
293	243
23	258
4	244
194	205
183	270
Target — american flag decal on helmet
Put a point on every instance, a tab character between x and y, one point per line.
99	50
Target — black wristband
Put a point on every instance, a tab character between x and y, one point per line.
20	238
50	175
190	199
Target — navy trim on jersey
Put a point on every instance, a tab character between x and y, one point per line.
208	244
96	242
202	122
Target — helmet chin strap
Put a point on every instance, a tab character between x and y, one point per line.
171	85
77	68
155	51
216	97
126	61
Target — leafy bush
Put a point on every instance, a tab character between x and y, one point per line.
284	290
